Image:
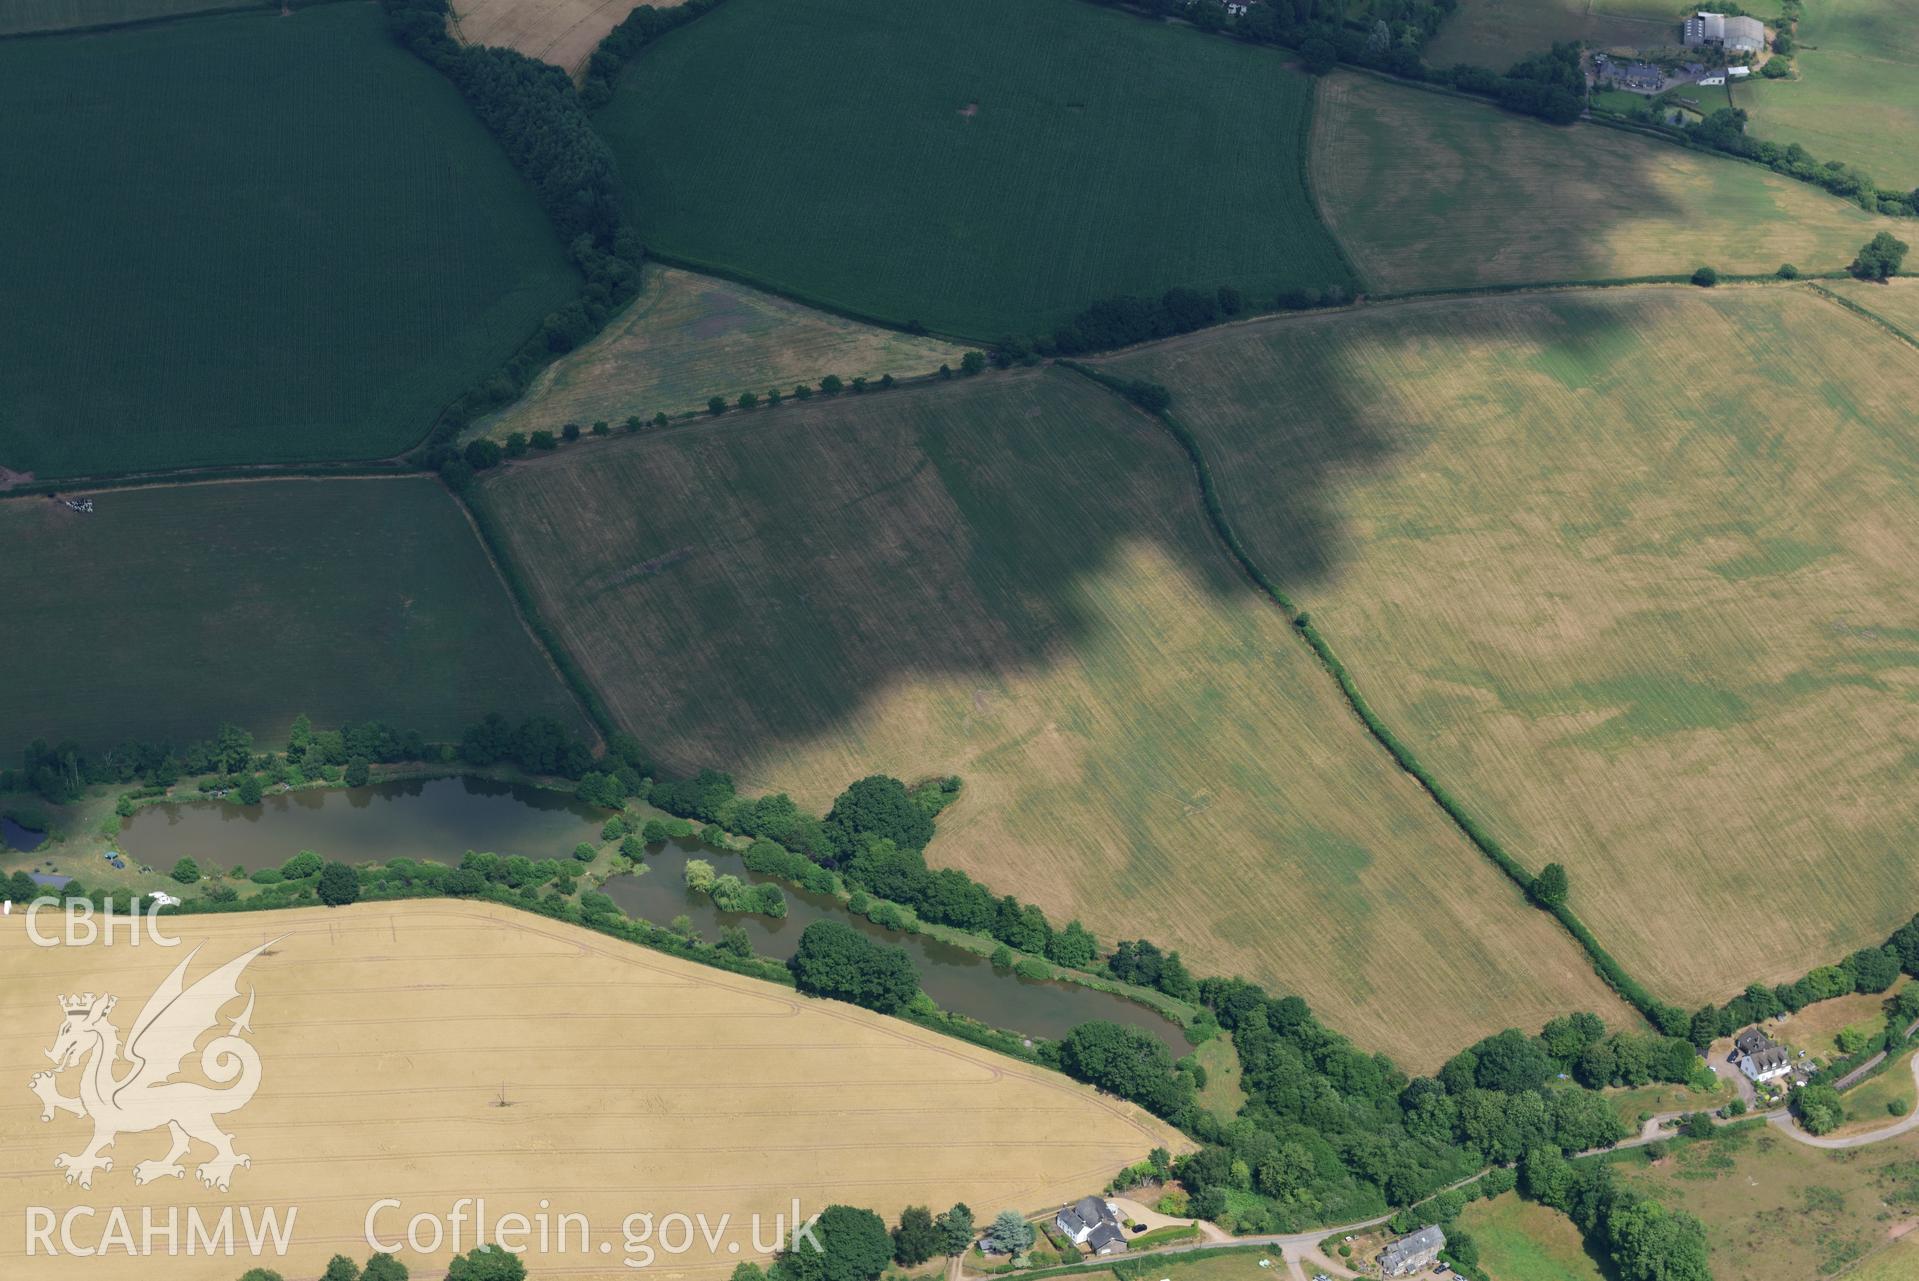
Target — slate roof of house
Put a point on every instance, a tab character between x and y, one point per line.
1768	1060
1751	1041
1087	1212
1427	1238
1104	1235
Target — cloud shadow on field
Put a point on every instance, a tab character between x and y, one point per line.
761	583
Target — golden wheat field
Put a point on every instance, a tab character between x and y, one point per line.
1009	579
562	32
423	1052
1631	571
689	337
1426	191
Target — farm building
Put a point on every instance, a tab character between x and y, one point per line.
1738	35
1412	1252
1092	1224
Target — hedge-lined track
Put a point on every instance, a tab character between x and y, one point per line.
1011	579
1649	624
249	238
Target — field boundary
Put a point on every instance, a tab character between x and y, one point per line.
1608	969
1306	120
212	10
739	277
239	473
571	676
1862	310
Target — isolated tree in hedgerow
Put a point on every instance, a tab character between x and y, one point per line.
916	1239
956	1229
846	1244
186	871
716	405
1880	257
1705	277
339	885
1550	887
1319	55
973	362
748	399
1010	1233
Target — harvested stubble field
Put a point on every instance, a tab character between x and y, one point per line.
1498	33
1856	95
688	337
1009	579
1429	191
390	1035
983	172
562	32
22	17
171	609
237	255
1648	612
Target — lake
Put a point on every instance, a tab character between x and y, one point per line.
440	819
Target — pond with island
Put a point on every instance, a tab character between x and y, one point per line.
440	819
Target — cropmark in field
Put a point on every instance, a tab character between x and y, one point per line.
1629	570
413	1054
1009	578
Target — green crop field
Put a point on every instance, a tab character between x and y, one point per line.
1009	579
20	17
1498	33
1525	1241
249	238
1856	94
983	172
1427	191
173	608
687	338
1630	570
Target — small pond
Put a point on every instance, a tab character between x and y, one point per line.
15	837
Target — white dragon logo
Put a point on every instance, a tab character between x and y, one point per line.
144	1097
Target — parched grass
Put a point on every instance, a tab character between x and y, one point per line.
1528	1241
1428	191
1498	33
1645	620
24	17
562	32
1814	1028
1009	578
1773	1207
613	1078
1856	93
248	238
985	171
171	609
1223	1095
688	337
1629	1105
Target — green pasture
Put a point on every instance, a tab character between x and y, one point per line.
249	238
983	172
21	17
1855	96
